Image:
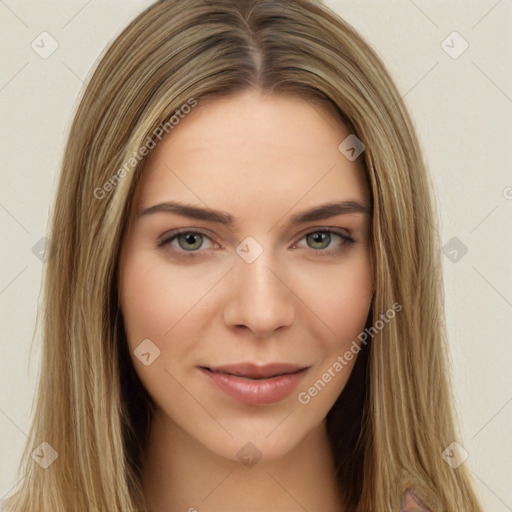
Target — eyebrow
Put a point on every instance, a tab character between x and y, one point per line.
320	212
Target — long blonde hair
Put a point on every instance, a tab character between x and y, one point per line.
90	407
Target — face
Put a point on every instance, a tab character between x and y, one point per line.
239	311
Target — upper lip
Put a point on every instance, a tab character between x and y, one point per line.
256	371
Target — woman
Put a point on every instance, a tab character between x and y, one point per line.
243	296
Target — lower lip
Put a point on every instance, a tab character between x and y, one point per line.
256	392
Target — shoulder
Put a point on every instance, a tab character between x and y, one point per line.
411	503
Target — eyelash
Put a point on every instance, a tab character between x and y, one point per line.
172	235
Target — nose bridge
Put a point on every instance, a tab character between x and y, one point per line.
261	300
259	280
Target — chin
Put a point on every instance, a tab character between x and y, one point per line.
262	443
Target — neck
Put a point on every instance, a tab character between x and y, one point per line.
182	475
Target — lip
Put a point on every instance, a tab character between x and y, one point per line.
256	384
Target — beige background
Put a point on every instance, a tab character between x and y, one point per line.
462	108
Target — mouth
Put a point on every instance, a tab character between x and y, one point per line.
256	384
256	372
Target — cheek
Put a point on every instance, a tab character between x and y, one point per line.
342	300
154	297
340	297
163	303
155	301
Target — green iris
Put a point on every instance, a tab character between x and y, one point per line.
319	238
188	237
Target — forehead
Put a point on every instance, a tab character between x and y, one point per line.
249	149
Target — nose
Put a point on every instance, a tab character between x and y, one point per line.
260	297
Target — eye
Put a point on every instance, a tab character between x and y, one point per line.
186	242
320	240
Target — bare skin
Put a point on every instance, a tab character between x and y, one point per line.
302	300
